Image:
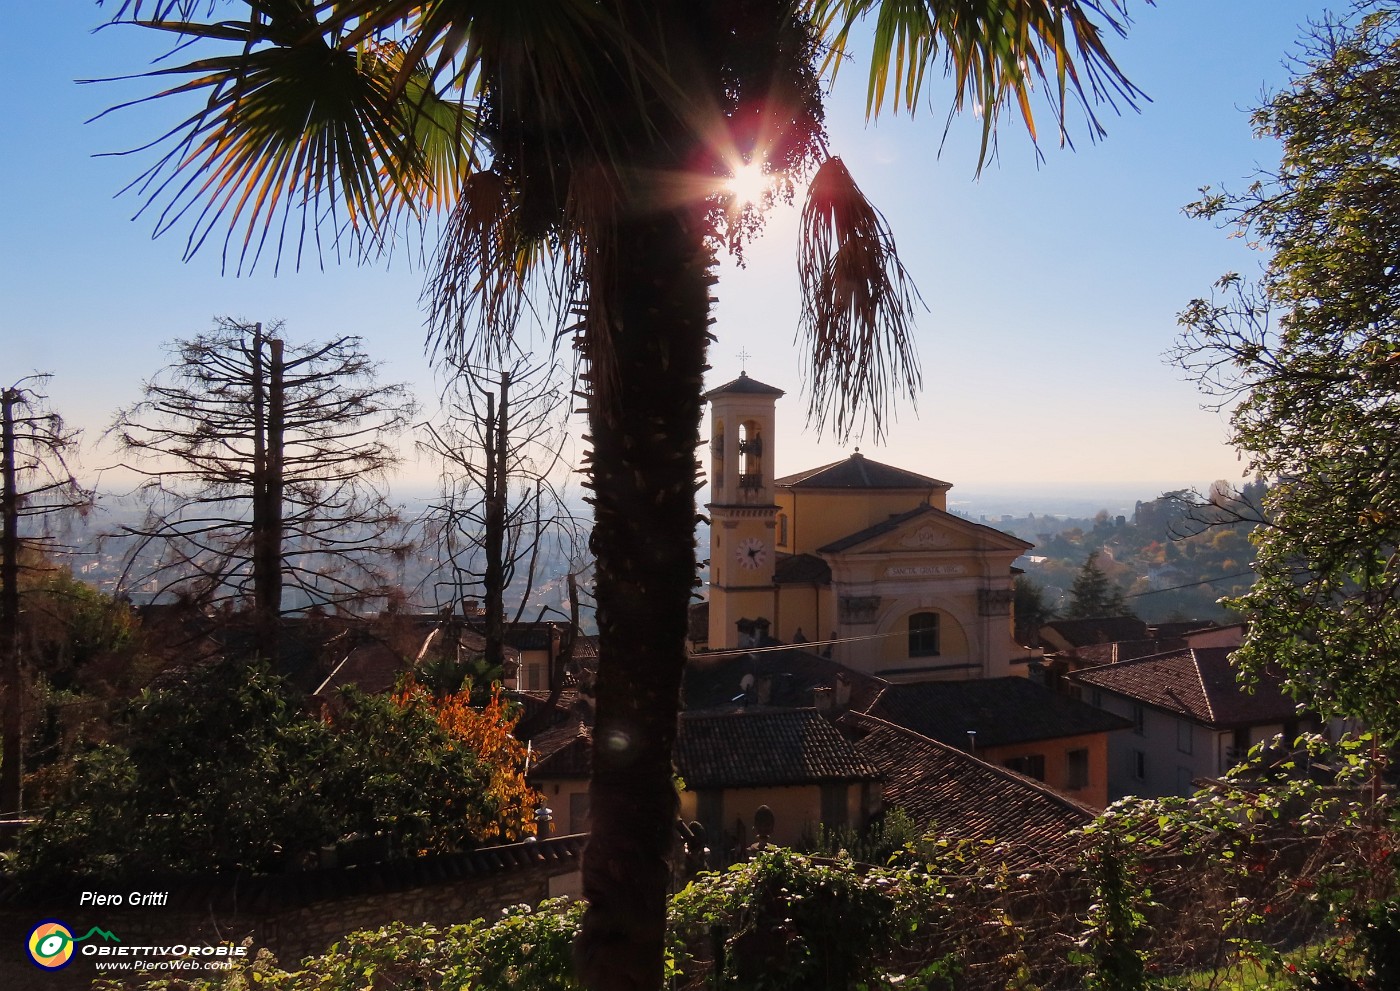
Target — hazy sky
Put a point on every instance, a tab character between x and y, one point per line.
1052	289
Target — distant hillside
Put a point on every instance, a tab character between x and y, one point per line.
1174	556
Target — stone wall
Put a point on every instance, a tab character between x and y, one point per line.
293	915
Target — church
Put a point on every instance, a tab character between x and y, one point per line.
855	557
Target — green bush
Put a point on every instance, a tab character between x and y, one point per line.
785	921
1380	941
225	771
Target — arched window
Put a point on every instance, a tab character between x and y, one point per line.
923	634
717	456
750	456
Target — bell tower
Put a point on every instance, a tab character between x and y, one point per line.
742	509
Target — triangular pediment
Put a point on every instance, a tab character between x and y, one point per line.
925	530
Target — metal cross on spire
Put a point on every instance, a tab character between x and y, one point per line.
744	357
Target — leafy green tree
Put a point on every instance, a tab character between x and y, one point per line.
1309	356
1094	594
225	771
590	141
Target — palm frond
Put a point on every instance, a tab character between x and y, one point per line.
858	306
297	131
483	270
994	51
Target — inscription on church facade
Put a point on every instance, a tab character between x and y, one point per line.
925	570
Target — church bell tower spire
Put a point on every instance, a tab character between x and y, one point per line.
742	508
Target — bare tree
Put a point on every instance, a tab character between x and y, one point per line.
262	462
36	485
500	440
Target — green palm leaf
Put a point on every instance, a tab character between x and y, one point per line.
298	131
994	51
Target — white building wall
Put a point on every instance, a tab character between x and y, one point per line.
1163	759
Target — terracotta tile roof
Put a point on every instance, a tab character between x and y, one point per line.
750	748
537	710
765	748
697	625
562	751
1180	629
744	384
1103	629
799	569
965	798
1198	683
1123	650
1094	654
859	472
718	681
1003	711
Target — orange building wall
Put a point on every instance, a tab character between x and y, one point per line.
1095	795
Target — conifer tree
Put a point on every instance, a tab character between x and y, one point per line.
1094	594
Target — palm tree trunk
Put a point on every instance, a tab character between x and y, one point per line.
643	452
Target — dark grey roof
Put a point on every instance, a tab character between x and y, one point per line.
785	677
1002	711
1101	629
757	749
801	569
859	472
744	385
1198	683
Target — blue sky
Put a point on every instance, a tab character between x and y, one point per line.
1052	288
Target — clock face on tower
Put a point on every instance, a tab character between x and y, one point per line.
751	553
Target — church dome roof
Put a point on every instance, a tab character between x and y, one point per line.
859	472
743	385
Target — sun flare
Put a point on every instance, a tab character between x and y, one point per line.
748	183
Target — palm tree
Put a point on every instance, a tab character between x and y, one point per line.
582	145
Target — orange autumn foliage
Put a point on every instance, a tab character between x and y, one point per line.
486	732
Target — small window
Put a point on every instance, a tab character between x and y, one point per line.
1031	765
1183	735
782	530
578	812
1096	699
833	797
1137	765
923	634
1139	720
1077	769
534	677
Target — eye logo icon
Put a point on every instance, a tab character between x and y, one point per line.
51	944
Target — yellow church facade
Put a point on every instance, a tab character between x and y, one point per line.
856	556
